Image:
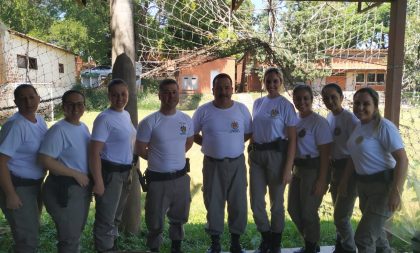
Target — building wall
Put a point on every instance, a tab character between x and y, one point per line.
46	78
204	74
340	80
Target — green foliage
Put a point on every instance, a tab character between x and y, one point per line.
148	101
96	99
189	102
150	86
83	30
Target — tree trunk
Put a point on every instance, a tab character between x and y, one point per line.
123	59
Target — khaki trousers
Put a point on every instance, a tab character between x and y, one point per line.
343	208
109	208
69	221
373	202
224	181
266	171
171	198
303	205
24	222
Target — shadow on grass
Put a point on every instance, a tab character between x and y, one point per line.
196	239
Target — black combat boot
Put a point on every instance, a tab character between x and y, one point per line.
235	245
265	243
176	246
275	243
215	245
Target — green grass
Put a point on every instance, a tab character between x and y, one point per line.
196	238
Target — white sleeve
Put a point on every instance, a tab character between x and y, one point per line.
144	131
53	143
100	131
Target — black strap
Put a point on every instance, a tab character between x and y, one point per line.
20	181
115	167
384	176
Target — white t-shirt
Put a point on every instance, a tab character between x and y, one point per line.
166	135
312	131
20	140
271	117
222	129
68	143
341	126
371	149
117	132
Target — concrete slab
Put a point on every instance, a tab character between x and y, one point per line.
324	249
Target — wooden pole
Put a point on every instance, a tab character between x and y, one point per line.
123	59
395	61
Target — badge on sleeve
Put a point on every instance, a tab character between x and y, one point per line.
359	139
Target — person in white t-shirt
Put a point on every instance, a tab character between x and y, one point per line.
271	154
66	192
342	123
110	158
309	182
380	161
163	138
225	126
21	175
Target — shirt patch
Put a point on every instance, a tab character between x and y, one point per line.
359	139
235	127
302	133
182	128
337	131
274	113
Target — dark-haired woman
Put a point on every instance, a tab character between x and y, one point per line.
271	153
309	182
342	123
21	175
380	161
110	158
66	192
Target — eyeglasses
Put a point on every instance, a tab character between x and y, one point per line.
72	105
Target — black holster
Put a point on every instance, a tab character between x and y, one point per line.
61	187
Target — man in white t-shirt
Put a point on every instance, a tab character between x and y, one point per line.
225	126
163	138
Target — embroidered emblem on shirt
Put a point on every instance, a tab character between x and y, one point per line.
182	128
274	113
337	131
235	127
302	133
359	139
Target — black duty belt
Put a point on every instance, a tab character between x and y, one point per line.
383	176
115	167
20	181
164	176
339	163
222	159
279	145
308	162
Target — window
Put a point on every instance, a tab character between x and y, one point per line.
189	83
376	79
33	63
380	78
360	79
60	68
23	60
